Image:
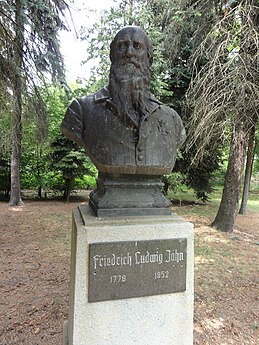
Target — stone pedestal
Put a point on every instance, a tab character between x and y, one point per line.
145	313
129	195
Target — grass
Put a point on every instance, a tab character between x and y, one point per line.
187	197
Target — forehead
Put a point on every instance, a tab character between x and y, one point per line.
131	35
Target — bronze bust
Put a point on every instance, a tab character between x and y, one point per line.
124	129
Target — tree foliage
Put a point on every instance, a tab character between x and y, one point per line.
225	90
28	48
38	27
184	25
224	96
72	161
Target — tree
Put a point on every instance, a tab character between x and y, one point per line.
248	170
224	96
29	48
36	144
71	160
4	176
184	25
15	198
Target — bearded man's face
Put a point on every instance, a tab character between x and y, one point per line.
130	72
130	54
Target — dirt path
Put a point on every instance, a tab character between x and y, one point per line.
226	282
35	250
34	272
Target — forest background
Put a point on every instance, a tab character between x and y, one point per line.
205	66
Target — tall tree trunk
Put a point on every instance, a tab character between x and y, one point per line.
15	197
68	188
39	154
248	172
226	216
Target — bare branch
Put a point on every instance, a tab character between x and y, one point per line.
225	90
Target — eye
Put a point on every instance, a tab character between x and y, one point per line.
137	45
120	45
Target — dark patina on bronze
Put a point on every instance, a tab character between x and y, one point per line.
129	135
122	270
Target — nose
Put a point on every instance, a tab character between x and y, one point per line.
129	51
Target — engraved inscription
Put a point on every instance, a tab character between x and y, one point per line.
113	260
161	275
119	278
133	269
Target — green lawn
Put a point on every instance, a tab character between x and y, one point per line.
187	197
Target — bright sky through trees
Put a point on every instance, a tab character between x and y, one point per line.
74	51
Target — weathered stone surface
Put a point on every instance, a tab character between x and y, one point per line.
158	319
136	268
128	195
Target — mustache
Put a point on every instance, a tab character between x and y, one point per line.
131	61
131	71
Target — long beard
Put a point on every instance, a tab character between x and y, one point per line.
129	87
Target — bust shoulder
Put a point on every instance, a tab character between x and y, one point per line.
91	99
175	121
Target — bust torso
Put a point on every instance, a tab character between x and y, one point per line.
118	147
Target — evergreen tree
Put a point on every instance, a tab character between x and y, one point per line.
225	96
72	161
29	51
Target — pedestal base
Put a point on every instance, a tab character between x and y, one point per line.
128	195
162	319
